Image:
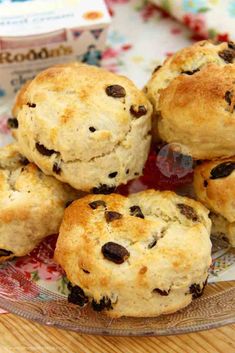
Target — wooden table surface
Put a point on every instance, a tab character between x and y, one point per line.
20	336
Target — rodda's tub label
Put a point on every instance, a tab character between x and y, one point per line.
36	34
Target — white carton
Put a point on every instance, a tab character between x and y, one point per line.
36	34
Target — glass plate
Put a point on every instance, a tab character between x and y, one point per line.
44	300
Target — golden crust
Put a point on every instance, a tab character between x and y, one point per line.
21	99
180	258
222	228
31	204
216	194
92	133
189	97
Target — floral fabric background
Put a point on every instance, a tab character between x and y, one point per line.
206	18
140	38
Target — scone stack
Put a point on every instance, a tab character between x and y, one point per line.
193	95
81	129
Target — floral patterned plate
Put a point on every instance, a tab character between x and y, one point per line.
35	288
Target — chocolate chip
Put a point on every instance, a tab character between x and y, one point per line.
69	286
196	290
136	211
222	170
92	129
139	111
113	175
111	216
145	89
24	160
152	244
31	105
115	91
156	69
163	293
115	252
68	203
136	174
187	211
231	45
228	97
43	150
56	168
227	55
85	271
12	123
77	296
104	303
198	162
205	183
103	189
4	252
127	171
95	204
192	72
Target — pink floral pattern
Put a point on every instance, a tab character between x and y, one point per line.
197	24
3	124
203	17
15	285
40	264
112	57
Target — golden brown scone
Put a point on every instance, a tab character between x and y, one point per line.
143	255
222	228
193	95
214	185
20	99
85	126
31	204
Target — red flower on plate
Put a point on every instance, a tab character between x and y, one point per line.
14	285
39	264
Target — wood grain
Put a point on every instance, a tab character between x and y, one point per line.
22	336
19	335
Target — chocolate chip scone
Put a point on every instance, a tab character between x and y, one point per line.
31	204
143	255
84	125
193	95
222	228
214	185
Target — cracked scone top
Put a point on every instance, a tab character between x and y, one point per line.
31	204
193	95
214	185
142	255
84	125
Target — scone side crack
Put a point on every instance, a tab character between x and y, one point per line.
103	154
52	153
56	154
